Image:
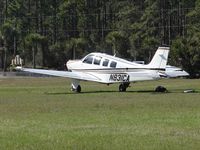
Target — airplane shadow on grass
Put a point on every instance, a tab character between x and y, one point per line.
133	91
93	92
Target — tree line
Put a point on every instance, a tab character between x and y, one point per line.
47	33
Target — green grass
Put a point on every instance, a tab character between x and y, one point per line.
42	113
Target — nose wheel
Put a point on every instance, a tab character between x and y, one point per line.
76	86
78	89
123	87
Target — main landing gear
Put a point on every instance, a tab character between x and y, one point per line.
123	86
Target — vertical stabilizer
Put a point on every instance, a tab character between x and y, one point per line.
160	58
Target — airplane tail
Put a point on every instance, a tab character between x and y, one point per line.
160	58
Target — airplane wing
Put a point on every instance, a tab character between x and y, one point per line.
67	74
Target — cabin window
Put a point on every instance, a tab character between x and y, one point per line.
105	62
113	64
97	60
88	59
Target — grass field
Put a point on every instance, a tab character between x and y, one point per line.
43	114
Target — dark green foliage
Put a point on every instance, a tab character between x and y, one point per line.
187	51
58	30
119	42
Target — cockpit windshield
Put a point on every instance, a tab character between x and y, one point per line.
88	59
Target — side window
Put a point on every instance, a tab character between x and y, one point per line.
113	64
105	62
88	59
97	60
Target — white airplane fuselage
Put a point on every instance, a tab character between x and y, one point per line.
111	69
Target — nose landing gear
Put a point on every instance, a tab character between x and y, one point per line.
78	89
76	86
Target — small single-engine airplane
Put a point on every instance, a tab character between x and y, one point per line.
107	69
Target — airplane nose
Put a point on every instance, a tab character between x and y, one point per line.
68	65
73	64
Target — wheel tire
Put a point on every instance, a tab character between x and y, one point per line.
122	88
78	89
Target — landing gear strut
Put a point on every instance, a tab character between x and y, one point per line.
123	86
